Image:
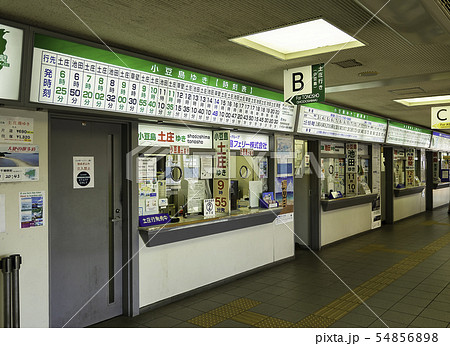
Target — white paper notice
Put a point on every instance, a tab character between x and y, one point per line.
83	172
2	214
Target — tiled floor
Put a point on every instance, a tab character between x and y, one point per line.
399	273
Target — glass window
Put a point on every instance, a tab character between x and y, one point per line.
191	188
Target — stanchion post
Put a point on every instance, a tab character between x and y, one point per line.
5	264
16	261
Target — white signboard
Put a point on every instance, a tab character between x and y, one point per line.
166	136
209	209
440	117
408	135
83	172
2	214
255	141
11	40
148	89
19	162
440	141
16	130
333	122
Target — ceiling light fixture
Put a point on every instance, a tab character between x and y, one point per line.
300	40
425	101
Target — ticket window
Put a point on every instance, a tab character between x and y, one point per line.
444	165
333	169
409	168
248	181
178	187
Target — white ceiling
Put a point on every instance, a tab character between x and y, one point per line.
196	33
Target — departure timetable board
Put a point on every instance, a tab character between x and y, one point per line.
440	141
408	135
70	74
329	121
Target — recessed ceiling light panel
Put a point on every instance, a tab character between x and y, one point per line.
425	101
299	40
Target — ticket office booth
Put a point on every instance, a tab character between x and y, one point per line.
344	175
207	206
405	164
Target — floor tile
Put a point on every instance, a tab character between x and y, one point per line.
423	322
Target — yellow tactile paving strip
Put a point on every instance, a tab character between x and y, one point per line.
237	310
337	309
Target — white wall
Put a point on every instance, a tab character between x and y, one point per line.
172	269
346	222
406	206
441	197
31	243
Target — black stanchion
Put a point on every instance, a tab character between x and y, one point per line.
16	261
5	264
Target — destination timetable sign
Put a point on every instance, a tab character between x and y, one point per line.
408	135
329	121
440	141
75	75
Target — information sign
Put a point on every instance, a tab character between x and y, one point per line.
408	135
11	42
324	120
71	74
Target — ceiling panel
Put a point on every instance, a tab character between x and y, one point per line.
196	34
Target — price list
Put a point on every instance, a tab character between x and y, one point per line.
162	91
323	120
440	141
408	135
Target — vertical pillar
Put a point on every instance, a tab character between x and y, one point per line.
429	181
315	195
389	186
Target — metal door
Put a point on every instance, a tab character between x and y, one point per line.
85	224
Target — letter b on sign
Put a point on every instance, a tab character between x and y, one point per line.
297	81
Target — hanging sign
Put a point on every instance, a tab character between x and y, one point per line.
11	41
83	172
351	167
440	141
304	84
70	74
440	117
16	130
408	135
333	122
19	163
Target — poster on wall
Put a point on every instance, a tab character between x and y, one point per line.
2	214
83	172
31	207
284	191
11	41
16	130
19	163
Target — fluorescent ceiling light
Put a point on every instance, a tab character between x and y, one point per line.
299	40
424	101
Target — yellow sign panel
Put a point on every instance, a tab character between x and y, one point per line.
440	117
222	195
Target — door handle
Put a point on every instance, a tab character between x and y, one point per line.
117	219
